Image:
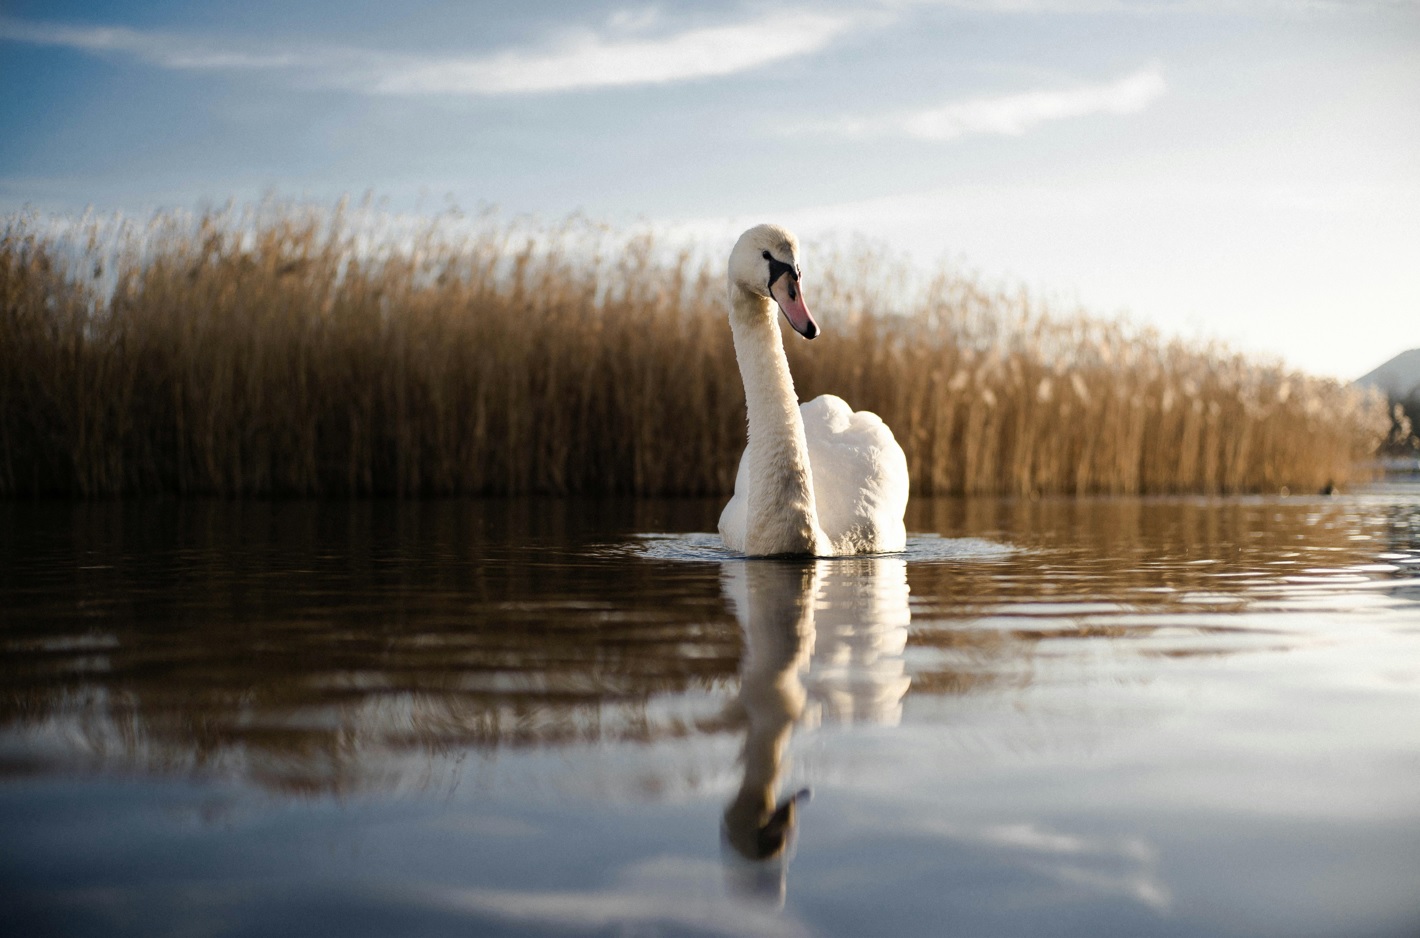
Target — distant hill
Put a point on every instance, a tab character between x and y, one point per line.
1399	378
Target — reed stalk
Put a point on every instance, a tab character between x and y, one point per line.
281	350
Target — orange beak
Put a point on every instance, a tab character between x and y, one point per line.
786	293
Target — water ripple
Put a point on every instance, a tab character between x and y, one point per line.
921	548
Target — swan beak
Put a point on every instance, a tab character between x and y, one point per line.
791	300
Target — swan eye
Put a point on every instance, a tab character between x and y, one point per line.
778	268
764	254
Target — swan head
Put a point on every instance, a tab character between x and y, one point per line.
765	263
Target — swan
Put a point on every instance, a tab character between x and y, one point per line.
818	480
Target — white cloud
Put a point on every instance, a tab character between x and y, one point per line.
1012	114
161	49
623	53
1015	114
1287	8
591	60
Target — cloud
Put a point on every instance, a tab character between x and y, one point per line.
625	52
1009	115
161	49
591	60
1250	8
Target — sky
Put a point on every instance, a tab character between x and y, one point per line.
1237	170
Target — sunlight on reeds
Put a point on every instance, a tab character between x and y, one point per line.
285	350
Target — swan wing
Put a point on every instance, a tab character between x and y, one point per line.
734	518
860	477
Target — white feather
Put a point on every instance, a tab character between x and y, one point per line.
860	481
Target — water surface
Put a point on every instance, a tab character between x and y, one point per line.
1066	717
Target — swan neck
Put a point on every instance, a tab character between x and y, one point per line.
772	402
781	516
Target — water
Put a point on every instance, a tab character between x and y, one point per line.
1094	717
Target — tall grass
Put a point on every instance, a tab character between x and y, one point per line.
285	350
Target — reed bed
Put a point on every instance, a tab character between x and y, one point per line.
285	350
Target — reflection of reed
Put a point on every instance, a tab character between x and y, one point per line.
1136	552
1118	569
307	647
297	646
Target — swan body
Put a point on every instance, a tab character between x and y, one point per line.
818	480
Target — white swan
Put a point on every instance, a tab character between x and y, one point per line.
820	479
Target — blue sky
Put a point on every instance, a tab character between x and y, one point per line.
1248	171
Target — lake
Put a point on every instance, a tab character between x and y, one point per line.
1171	716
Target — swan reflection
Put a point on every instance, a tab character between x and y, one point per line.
823	642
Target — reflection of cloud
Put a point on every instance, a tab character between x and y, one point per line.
1031	837
622	54
1009	115
662	892
1121	866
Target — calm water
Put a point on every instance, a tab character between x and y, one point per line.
1096	717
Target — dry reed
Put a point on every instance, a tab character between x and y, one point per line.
284	350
